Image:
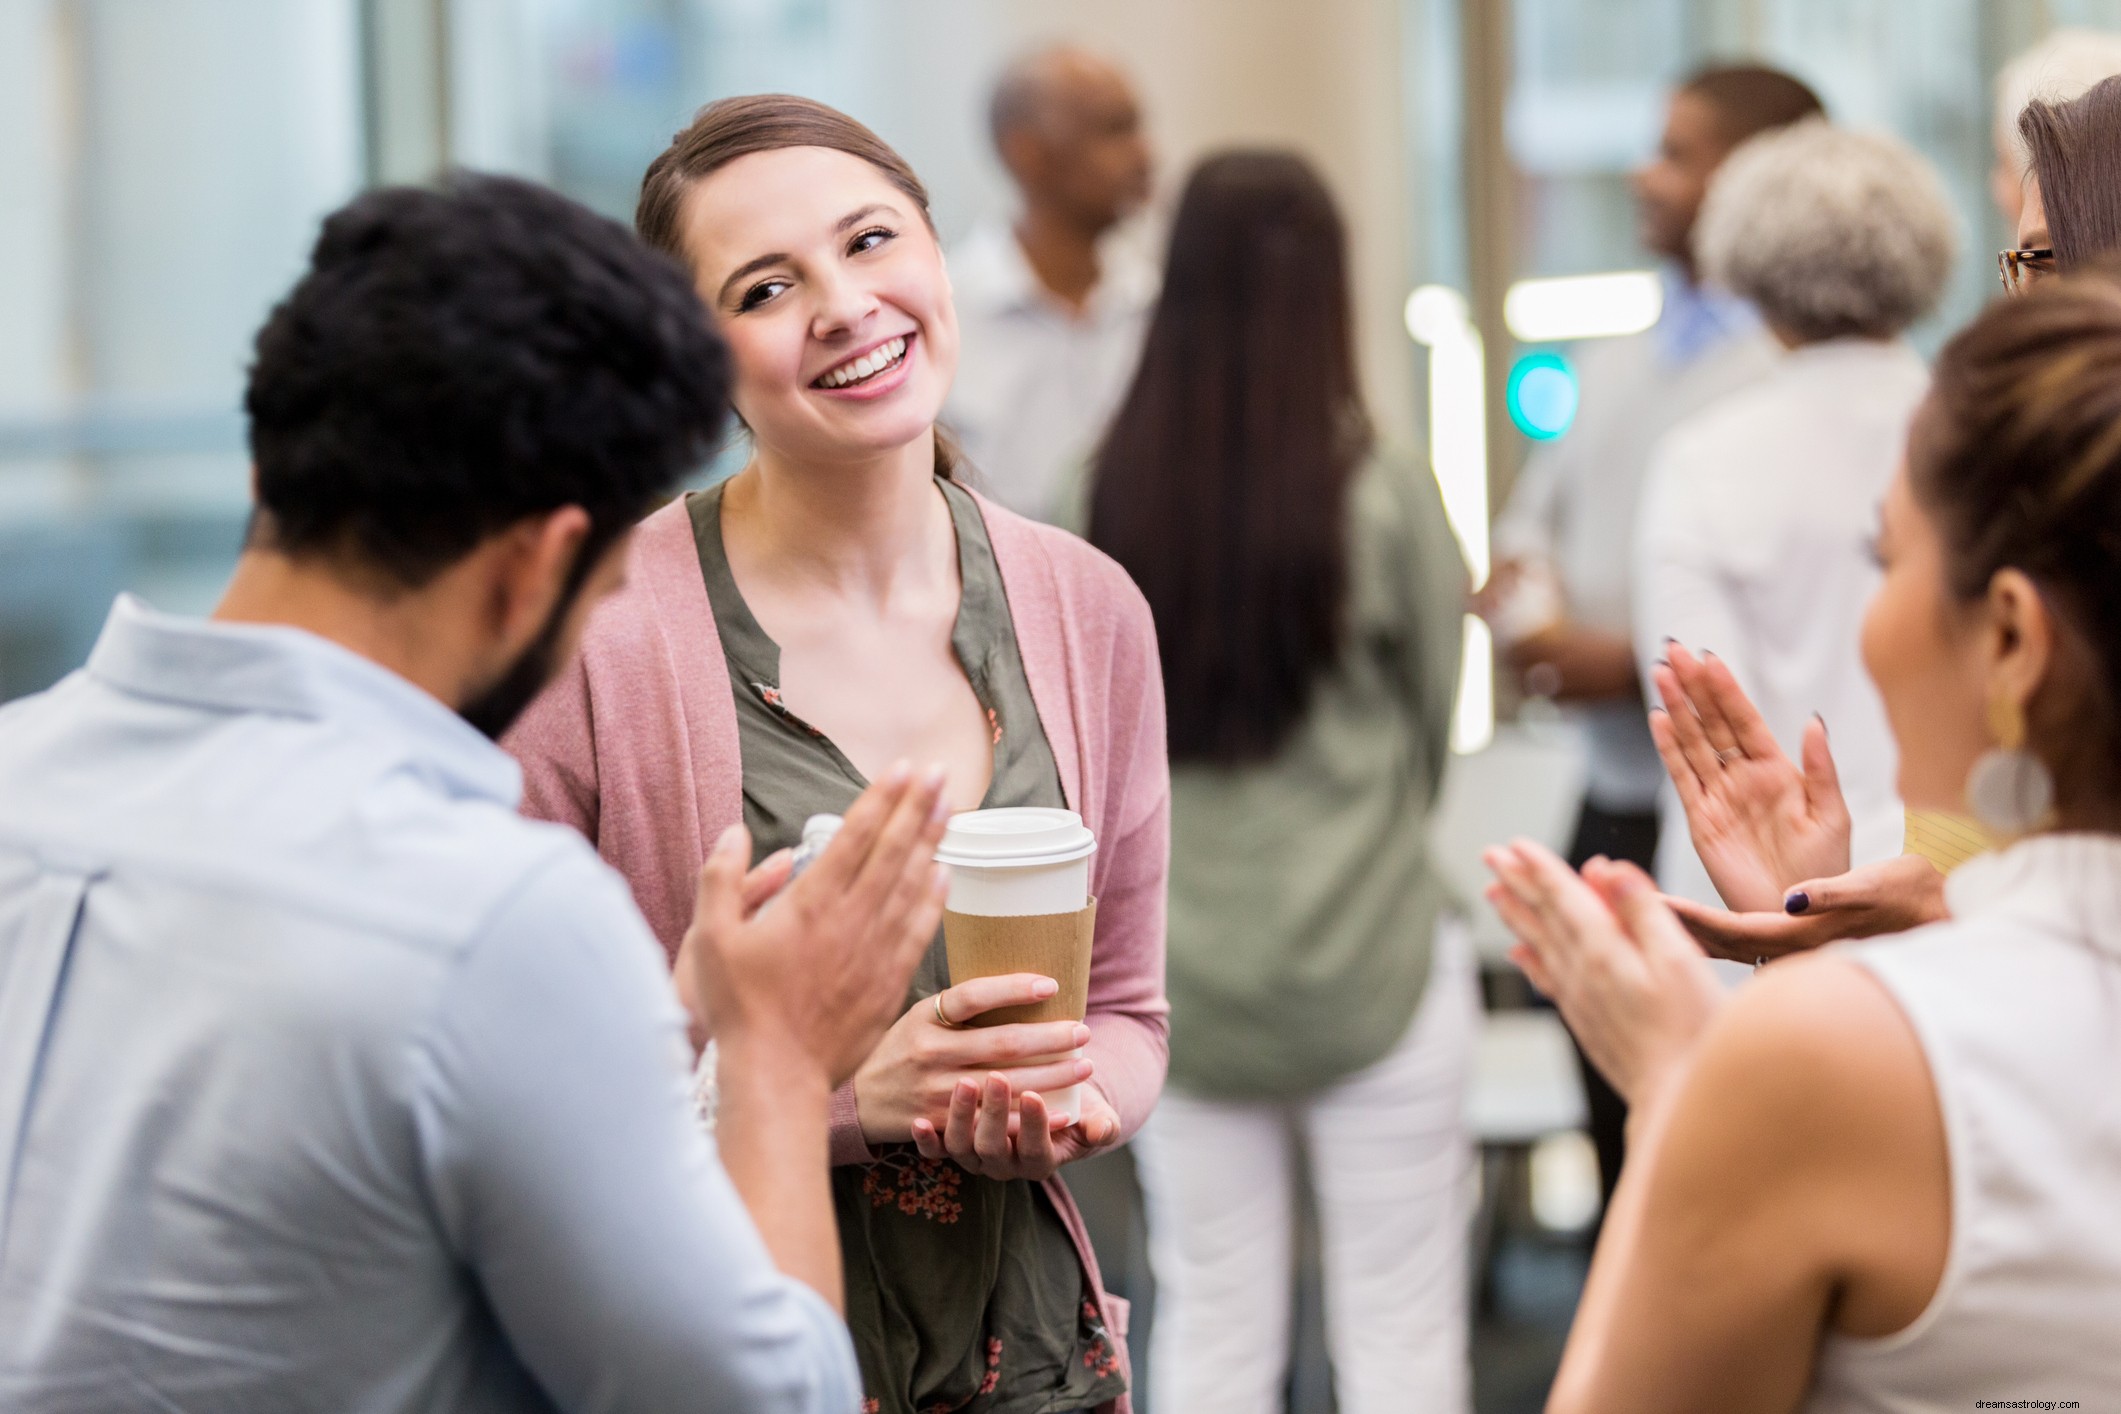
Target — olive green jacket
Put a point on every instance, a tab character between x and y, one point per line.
1303	899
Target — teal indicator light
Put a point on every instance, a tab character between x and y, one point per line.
1541	395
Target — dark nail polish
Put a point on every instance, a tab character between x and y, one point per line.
1797	902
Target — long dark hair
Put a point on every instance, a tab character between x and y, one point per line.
1222	486
731	128
2076	155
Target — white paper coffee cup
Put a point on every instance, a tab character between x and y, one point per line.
1020	862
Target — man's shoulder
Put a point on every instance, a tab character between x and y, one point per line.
301	818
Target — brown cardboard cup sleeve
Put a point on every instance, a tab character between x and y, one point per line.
1055	945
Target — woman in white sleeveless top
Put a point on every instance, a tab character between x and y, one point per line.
1887	1176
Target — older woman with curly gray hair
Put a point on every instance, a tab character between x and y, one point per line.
1759	510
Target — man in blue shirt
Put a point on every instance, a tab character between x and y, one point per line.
326	1081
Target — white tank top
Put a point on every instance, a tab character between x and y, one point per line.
2017	1002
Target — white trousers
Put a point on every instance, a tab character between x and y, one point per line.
1391	1165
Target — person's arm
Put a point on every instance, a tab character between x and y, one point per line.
1795	1179
1566	660
1891	896
1787	1163
622	1262
571	1179
1576	662
798	992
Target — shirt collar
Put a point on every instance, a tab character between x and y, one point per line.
993	273
284	671
1697	318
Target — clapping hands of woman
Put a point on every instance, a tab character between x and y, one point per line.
1774	837
1634	988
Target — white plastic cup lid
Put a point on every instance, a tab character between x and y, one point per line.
1015	836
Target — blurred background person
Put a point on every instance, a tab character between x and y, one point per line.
2060	67
1309	595
1760	512
1051	312
1561	595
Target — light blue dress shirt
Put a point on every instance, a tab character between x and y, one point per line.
328	1083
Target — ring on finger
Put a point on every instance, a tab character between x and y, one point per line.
943	1018
1726	755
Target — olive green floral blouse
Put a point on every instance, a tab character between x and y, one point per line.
964	1293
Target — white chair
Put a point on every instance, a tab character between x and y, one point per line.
1528	783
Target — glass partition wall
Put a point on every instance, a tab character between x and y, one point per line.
167	161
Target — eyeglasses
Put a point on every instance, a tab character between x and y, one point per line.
2018	267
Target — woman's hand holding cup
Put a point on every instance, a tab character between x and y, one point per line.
914	1074
998	1131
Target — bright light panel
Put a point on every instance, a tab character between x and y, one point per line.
1557	311
1438	318
1473	727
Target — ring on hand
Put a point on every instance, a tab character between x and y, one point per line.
1727	755
942	1018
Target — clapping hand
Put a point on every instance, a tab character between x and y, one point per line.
1633	987
1760	824
820	974
1890	896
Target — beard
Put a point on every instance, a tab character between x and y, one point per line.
494	709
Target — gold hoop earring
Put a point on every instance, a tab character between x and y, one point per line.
2010	790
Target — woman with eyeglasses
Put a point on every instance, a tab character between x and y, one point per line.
2072	208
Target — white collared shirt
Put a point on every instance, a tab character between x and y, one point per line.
1755	545
1037	385
329	1083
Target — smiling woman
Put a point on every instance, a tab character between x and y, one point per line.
780	123
841	604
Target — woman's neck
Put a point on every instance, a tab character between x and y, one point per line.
848	528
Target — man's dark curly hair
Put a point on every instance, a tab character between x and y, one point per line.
458	359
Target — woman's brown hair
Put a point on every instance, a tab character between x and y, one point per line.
2017	455
730	128
2076	155
1223	484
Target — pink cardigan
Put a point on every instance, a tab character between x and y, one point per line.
635	745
